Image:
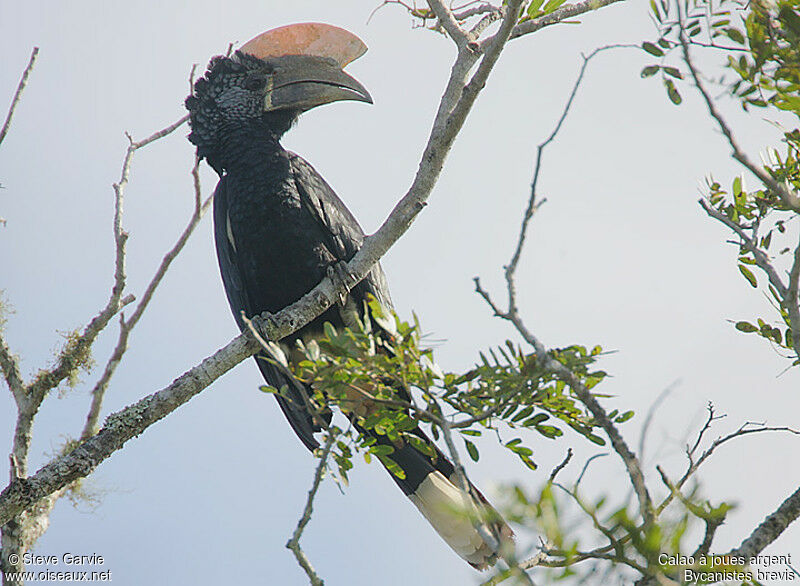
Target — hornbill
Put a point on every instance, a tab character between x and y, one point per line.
280	229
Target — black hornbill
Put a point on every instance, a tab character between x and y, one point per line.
279	228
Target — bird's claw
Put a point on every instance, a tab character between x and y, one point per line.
265	325
342	279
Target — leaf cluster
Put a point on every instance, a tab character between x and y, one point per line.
386	381
763	219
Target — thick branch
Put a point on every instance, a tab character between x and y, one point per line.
771	528
18	94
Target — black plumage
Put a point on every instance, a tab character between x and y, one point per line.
280	228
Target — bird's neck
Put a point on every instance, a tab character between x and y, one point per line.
246	145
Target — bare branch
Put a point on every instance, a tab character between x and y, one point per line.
77	351
745	429
561	466
126	326
18	94
586	468
650	413
533	204
294	543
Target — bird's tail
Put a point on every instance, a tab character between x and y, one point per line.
431	483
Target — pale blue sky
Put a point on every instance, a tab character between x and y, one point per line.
621	255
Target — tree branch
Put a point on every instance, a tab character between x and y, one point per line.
9	364
294	543
512	315
791	301
75	353
762	261
126	326
770	529
18	94
563	13
119	428
789	199
445	17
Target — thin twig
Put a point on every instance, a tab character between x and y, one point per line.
533	205
586	468
294	543
650	413
546	361
75	352
561	466
18	94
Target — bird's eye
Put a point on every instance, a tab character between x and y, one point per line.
255	83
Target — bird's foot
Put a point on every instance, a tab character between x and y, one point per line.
265	325
342	279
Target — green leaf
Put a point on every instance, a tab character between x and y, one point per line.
472	450
655	10
674	72
624	417
672	92
533	9
650	71
472	432
552	5
746	327
653	49
748	274
735	35
522	414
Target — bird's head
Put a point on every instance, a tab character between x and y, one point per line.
276	76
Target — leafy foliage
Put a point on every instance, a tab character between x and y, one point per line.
762	44
387	383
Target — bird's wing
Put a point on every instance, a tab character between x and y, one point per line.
292	404
343	233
